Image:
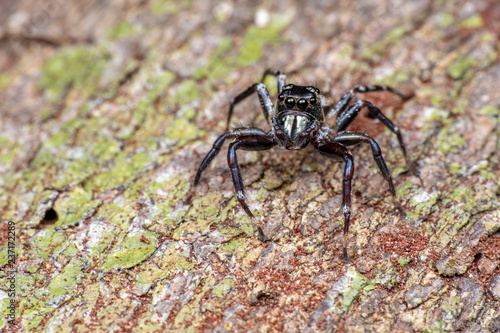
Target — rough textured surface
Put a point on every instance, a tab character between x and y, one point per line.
107	108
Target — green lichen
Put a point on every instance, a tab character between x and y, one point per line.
74	206
230	247
424	203
46	242
133	249
116	215
186	92
262	194
255	39
404	189
474	21
206	206
78	68
404	261
124	171
229	206
188	320
386	276
223	287
200	227
216	66
396	78
493	112
123	29
466	201
64	283
449	141
168	6
462	68
445	20
356	283
8	150
5	79
101	236
452	306
182	129
392	37
170	260
457	168
438	327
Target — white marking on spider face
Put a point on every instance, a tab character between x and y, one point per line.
302	124
295	125
288	125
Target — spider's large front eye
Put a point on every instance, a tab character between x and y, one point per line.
290	102
302	103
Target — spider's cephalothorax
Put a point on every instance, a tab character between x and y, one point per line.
298	120
299	112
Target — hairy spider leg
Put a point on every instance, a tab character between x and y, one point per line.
345	118
334	149
354	138
343	103
264	97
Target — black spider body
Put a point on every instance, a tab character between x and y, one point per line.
298	120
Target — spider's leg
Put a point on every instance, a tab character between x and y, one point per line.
258	140
278	74
353	138
334	149
264	97
342	104
380	87
218	145
345	118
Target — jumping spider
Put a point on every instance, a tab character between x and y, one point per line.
299	119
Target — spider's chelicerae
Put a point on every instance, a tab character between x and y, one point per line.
300	119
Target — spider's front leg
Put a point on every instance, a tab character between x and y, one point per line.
264	97
252	142
335	149
247	138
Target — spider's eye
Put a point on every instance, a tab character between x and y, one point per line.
290	102
281	97
312	100
302	103
317	90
